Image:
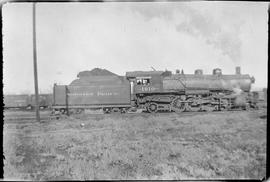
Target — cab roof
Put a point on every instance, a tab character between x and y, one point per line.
133	74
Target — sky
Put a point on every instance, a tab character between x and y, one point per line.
132	36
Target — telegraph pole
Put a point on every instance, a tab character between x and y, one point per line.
35	62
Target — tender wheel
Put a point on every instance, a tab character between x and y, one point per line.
115	110
152	107
123	110
62	111
107	110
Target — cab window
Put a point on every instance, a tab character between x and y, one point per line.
143	81
139	81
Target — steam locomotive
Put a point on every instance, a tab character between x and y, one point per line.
155	91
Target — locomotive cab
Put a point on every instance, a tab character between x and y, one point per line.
145	82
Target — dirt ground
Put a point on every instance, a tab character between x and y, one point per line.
217	145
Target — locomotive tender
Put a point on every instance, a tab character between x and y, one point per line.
156	90
92	92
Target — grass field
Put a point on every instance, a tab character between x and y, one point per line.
217	145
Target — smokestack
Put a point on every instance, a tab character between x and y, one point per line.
237	70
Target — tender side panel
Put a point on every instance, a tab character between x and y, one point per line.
59	95
99	95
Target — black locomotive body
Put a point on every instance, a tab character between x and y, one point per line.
157	90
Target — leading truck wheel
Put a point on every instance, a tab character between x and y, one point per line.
246	107
152	107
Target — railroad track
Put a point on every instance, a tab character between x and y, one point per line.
23	119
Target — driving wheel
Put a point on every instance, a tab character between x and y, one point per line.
152	107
